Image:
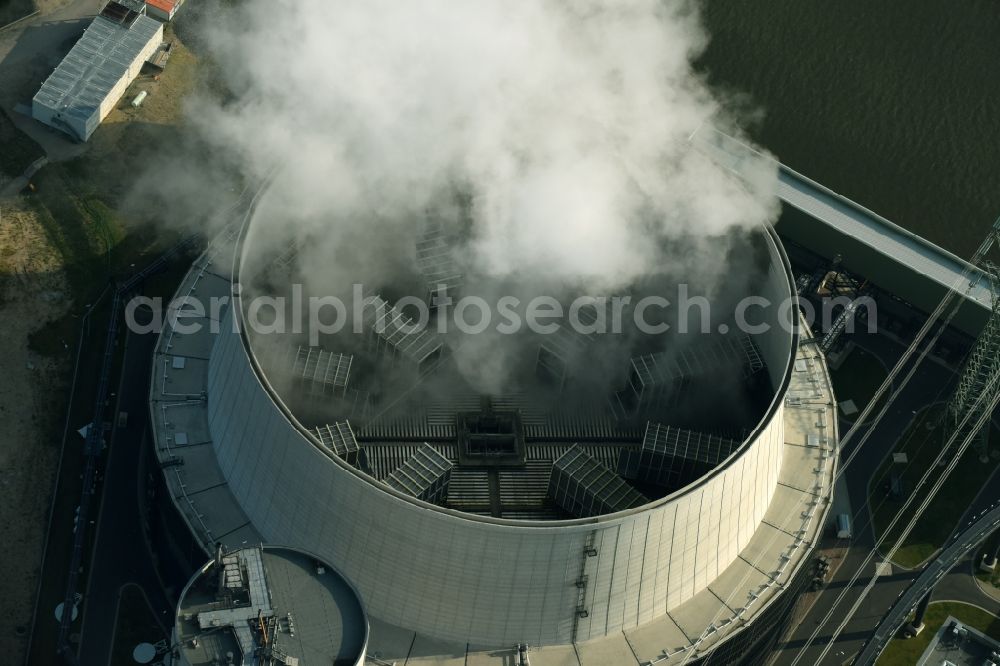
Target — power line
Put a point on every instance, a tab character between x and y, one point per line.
961	285
992	398
984	398
861	421
982	365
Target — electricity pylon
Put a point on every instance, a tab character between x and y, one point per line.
982	367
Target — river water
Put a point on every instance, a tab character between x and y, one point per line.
893	103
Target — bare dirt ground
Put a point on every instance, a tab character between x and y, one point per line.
32	293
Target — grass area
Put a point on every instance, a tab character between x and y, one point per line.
888	103
906	651
135	624
858	378
921	445
79	226
94	241
78	205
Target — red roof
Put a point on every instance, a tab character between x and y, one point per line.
163	5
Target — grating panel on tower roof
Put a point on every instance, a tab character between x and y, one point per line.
584	487
687	444
559	349
286	258
424	475
566	341
662	377
324	372
436	262
401	335
726	351
339	438
672	457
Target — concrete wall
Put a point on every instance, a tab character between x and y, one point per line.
481	581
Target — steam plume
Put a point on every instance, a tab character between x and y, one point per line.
567	123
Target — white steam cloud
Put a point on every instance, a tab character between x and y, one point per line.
567	124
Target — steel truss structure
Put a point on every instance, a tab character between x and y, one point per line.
980	372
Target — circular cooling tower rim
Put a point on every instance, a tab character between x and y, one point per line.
237	304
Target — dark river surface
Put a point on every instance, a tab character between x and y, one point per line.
893	103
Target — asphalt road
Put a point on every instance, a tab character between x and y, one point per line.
121	554
958	549
929	385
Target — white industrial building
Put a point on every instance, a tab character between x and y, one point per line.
709	564
94	75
